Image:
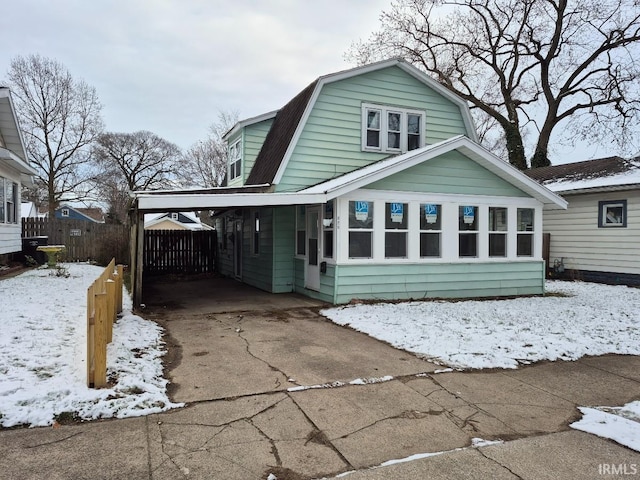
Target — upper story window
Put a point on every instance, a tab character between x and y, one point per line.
612	213
235	161
391	129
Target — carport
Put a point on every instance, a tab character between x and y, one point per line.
218	199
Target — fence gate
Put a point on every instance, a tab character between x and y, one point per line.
179	251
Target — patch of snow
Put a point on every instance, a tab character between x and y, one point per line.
620	424
43	350
311	387
480	442
443	370
629	177
579	319
366	381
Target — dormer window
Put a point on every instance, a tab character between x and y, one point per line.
235	161
391	129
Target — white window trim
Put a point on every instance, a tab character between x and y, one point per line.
384	130
255	222
238	158
449	227
64	212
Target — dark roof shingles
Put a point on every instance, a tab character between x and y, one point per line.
602	167
279	137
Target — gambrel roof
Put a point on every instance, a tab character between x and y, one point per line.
290	120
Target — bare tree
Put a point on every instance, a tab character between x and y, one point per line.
525	63
205	163
60	118
133	161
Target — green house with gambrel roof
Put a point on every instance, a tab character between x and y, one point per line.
370	184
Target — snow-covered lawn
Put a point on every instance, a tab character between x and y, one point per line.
43	353
577	319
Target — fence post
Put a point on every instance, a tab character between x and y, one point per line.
100	335
111	307
119	285
90	335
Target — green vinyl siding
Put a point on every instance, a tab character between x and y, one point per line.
327	289
330	143
257	269
254	136
465	280
449	173
283	249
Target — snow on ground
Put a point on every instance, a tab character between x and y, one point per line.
43	353
621	424
579	319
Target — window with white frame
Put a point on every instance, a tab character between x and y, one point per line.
525	221
497	232
612	213
360	229
174	216
328	228
430	230
391	129
11	199
235	160
301	230
467	231
396	230
64	212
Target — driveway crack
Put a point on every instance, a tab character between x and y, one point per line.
278	384
499	464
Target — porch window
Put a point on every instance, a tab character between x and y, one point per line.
525	232
235	161
391	129
430	230
612	214
256	233
327	227
468	231
497	232
360	229
301	230
396	229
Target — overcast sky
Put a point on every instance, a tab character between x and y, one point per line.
169	66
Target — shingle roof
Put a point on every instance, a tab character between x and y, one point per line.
279	137
601	167
602	172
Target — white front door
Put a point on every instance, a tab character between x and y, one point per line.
312	266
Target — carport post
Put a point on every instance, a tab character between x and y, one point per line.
137	250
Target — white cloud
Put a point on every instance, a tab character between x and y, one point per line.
168	66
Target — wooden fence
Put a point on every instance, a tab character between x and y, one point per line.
83	240
179	251
104	302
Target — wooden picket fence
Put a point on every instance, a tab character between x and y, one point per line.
104	302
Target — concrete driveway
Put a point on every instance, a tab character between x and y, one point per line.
274	388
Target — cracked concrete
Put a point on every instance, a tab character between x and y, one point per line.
234	369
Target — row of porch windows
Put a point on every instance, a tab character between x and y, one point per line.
397	231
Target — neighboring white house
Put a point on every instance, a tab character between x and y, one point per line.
15	171
174	221
598	237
